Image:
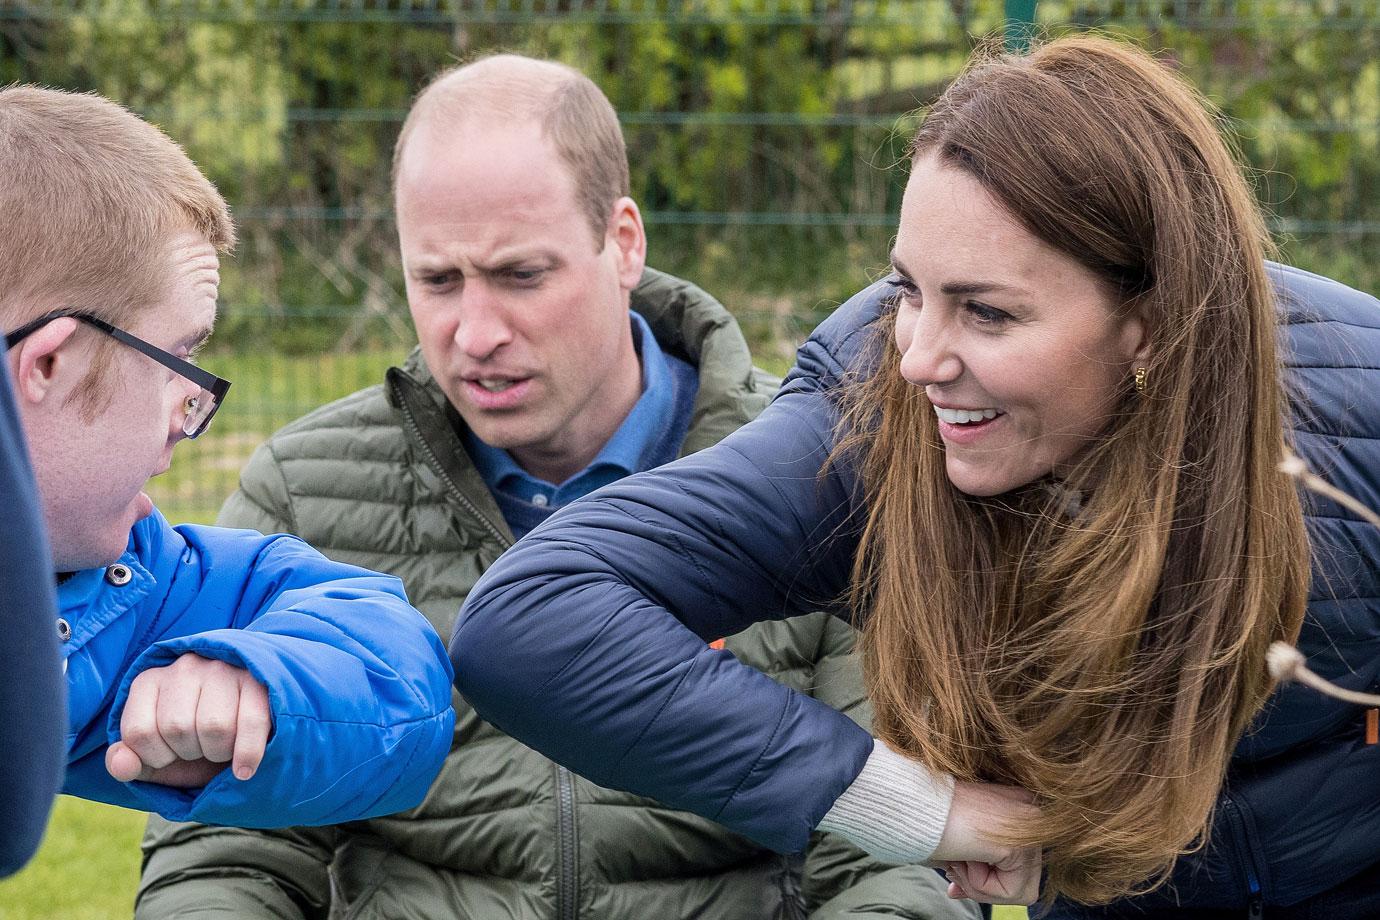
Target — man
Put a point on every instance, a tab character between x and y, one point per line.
213	675
31	691
534	385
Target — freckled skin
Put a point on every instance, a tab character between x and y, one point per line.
91	473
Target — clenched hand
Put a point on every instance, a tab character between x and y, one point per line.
976	867
184	722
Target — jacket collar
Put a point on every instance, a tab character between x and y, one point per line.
686	321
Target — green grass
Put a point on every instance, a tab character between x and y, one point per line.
87	868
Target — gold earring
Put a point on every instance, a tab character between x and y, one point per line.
1141	374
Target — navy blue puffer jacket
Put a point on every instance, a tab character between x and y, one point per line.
587	640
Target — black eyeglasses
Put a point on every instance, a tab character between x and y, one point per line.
199	409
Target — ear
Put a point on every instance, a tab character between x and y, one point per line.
629	240
42	365
1135	336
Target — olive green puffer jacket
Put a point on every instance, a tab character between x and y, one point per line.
380	479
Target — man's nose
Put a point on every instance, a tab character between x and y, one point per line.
483	325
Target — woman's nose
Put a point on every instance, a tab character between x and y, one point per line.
930	355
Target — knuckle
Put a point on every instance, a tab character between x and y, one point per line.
257	722
139	736
217	729
177	729
190	662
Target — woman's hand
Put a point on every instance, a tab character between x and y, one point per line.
976	867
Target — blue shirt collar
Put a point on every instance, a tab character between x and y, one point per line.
630	450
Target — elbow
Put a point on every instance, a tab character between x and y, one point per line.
486	646
473	645
436	667
433	748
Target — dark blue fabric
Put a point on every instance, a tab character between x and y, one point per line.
32	707
586	641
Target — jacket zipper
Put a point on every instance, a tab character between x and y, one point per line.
451	486
1255	898
567	856
567	864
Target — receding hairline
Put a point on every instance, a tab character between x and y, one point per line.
511	87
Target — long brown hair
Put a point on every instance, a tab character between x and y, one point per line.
1105	657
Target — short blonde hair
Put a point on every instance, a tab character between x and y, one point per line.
92	196
573	113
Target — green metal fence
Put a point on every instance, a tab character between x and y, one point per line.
762	136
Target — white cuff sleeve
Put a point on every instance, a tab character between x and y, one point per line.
895	809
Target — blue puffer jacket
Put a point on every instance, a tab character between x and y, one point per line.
357	680
587	640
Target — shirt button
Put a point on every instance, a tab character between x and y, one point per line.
539	500
64	629
118	575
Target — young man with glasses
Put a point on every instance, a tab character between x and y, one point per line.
211	674
197	410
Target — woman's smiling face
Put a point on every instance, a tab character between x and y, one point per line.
1019	347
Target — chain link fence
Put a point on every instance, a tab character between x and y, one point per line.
765	138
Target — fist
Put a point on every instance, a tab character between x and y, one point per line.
976	867
184	722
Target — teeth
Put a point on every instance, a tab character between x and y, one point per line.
964	416
495	386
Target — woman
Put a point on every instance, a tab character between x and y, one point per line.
1038	463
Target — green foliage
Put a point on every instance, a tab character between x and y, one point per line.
1299	86
767	137
766	129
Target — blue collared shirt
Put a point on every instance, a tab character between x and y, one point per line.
650	436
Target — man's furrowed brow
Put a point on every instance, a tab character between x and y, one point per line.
522	259
419	268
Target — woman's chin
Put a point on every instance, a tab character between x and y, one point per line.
981	483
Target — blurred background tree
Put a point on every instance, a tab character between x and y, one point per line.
765	138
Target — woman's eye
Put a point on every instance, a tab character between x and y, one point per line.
987	316
902	285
